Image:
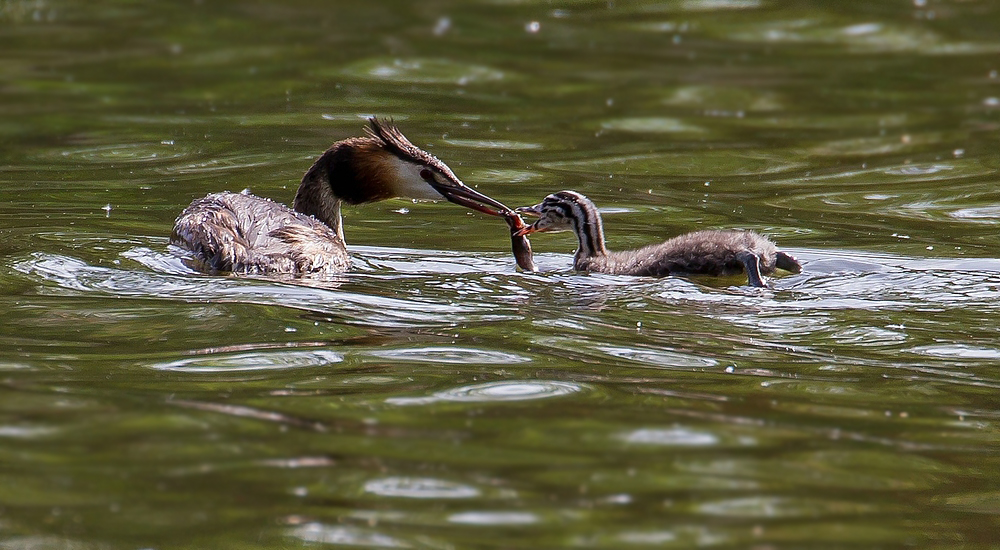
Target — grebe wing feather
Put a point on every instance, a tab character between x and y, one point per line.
235	232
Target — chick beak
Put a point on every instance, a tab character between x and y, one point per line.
526	230
461	194
532	211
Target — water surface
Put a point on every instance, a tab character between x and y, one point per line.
433	396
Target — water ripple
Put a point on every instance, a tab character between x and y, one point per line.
494	518
651	125
713	163
722	100
508	175
781	507
345	536
869	336
659	358
75	275
958	351
119	153
670	437
904	174
507	390
456	356
506	145
420	487
424	71
985	502
278	359
863	37
26	432
219	164
981	214
716	5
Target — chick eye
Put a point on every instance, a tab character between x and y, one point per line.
427	175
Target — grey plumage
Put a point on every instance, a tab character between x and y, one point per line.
708	252
234	232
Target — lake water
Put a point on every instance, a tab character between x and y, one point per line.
435	397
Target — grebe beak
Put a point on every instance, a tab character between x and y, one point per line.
463	195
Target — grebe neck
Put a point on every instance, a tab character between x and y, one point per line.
586	223
315	196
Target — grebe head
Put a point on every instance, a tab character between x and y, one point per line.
381	166
557	212
386	165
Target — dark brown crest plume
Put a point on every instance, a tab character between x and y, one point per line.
389	136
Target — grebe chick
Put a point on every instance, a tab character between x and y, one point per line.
241	233
709	252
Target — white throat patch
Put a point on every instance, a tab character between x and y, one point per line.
410	184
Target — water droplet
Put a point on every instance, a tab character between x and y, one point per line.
442	26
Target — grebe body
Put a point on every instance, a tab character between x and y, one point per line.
242	233
708	252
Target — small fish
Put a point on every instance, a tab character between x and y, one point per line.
519	243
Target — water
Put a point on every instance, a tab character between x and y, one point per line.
434	397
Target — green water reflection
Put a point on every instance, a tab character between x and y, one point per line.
433	397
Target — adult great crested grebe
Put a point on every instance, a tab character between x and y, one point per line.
241	233
709	252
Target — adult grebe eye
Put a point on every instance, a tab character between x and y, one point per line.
427	175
